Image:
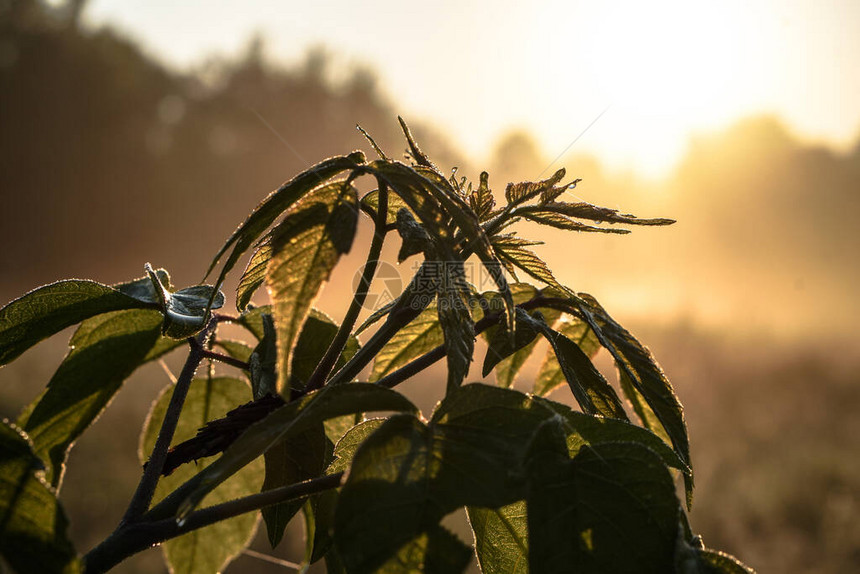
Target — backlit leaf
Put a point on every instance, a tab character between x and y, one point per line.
252	319
395	204
32	522
526	260
51	308
517	193
500	346
414	239
501	538
292	460
208	549
422	334
481	200
646	376
507	369
254	274
582	210
612	508
550	376
104	351
305	248
455	318
407	475
561	221
582	429
263	361
317	334
589	387
436	551
277	203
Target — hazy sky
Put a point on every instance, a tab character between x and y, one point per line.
659	69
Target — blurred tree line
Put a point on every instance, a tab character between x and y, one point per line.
107	158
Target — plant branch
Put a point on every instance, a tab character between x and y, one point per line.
226	359
134	537
317	379
146	488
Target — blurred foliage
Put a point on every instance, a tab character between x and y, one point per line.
94	130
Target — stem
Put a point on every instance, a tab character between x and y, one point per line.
226	359
132	538
335	349
146	488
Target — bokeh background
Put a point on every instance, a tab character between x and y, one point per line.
135	131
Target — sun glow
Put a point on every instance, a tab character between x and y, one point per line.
667	68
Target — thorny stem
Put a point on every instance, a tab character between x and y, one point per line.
146	488
328	361
134	537
226	359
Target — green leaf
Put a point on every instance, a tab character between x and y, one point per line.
254	274
305	248
422	334
414	239
289	421
292	460
501	538
518	193
507	369
501	346
344	450
319	525
104	351
186	311
436	551
317	334
395	204
526	260
277	203
320	510
419	156
237	349
582	210
612	508
208	549
406	475
252	319
481	200
50	309
263	360
550	376
645	376
560	221
589	387
455	318
32	522
715	562
582	429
